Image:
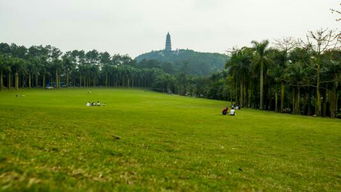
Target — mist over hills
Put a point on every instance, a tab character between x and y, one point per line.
183	60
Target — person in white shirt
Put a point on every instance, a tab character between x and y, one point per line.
232	112
88	104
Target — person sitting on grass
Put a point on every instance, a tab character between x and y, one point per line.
88	104
98	103
232	112
225	110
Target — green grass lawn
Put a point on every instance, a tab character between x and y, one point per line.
49	140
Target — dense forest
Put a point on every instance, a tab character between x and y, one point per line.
47	66
291	76
185	60
297	77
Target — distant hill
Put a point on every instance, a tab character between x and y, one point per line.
187	61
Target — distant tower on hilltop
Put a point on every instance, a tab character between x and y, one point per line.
168	43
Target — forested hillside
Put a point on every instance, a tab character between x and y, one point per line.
184	60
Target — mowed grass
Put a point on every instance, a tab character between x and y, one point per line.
147	141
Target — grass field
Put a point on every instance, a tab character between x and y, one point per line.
147	141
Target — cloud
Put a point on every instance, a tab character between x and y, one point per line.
137	26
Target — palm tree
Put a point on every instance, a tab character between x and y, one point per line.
261	59
57	66
278	62
332	78
239	67
37	65
69	64
94	71
296	75
106	69
55	62
44	69
8	68
18	66
105	60
30	65
2	68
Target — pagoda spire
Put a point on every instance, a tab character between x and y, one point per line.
168	43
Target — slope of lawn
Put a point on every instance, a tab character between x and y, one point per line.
146	141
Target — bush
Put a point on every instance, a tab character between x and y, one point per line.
338	115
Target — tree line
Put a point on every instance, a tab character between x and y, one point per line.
41	66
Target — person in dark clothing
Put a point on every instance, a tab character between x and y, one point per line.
224	112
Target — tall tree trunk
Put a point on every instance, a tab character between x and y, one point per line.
16	80
249	97
29	80
37	81
309	103
23	81
57	79
333	98
1	80
44	80
106	79
9	80
318	95
282	96
332	102
67	79
236	94
261	83
297	107
244	94
337	96
324	104
241	93
250	87
128	82
276	100
293	101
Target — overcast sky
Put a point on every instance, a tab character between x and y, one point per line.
138	26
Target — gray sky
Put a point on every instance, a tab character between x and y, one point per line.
138	26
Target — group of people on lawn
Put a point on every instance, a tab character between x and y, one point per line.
90	104
232	112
